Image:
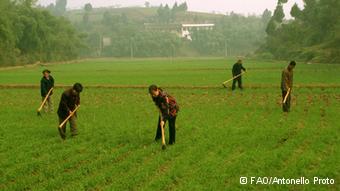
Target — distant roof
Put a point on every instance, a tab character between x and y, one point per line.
198	25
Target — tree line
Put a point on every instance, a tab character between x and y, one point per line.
29	35
312	35
166	14
234	34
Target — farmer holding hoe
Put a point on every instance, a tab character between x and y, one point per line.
67	111
237	74
46	91
287	85
168	109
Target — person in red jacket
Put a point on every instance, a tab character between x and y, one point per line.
168	108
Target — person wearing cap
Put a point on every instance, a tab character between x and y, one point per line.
287	84
70	99
46	83
237	70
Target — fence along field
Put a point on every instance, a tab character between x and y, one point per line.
221	136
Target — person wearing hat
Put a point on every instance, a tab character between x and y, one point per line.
46	83
70	99
287	85
237	70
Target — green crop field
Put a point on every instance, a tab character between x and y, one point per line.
221	135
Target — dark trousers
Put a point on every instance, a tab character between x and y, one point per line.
285	106
172	130
73	126
239	81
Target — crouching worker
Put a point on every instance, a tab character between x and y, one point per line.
70	99
168	108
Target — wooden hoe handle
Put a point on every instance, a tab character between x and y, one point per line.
286	97
69	116
44	101
234	78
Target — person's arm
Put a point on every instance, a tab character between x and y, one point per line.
43	88
164	112
159	109
165	109
285	80
52	80
243	68
167	105
63	102
291	87
78	100
234	70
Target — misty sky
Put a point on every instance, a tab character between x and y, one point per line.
219	6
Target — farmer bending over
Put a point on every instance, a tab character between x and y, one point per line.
70	99
168	108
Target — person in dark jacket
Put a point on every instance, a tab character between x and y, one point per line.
46	83
287	84
70	99
237	70
168	108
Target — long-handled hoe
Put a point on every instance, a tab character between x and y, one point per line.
162	130
69	116
224	83
43	102
163	137
286	97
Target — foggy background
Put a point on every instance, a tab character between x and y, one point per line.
60	30
217	6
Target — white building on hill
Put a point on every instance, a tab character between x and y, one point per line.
182	30
187	29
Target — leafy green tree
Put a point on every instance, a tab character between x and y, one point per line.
296	12
183	7
60	7
88	7
311	36
86	17
266	16
29	34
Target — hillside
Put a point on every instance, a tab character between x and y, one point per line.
313	35
140	14
125	29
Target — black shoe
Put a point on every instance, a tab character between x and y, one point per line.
171	143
